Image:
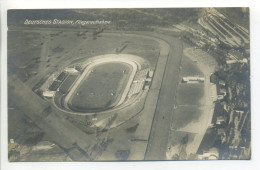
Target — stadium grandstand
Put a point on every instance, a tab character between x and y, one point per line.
141	82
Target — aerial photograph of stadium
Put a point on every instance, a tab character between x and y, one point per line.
128	84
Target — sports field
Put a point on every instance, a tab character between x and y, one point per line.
102	88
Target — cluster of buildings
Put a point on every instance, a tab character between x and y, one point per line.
220	121
148	80
227	123
220	87
236	146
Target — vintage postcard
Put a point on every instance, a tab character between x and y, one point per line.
128	84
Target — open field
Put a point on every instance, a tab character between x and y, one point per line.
185	115
189	68
190	94
101	88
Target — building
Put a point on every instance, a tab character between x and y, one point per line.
239	112
48	94
220	97
222	83
147	83
200	43
71	70
150	74
221	92
219	116
221	120
213	79
221	131
235	54
193	79
11	140
222	134
232	61
148	79
146	87
226	107
244	60
212	154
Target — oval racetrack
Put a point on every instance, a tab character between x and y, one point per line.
88	95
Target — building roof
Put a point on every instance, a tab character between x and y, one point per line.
218	111
213	79
208	140
221	131
222	82
218	90
48	93
223	91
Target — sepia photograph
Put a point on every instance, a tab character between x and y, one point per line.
128	84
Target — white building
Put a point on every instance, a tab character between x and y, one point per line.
49	94
150	73
193	79
223	91
243	60
241	112
236	61
220	120
221	82
148	79
71	70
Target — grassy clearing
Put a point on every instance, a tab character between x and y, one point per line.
185	115
189	68
190	94
101	88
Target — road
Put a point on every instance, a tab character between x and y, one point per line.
158	138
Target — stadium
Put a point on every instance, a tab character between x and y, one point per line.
100	84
